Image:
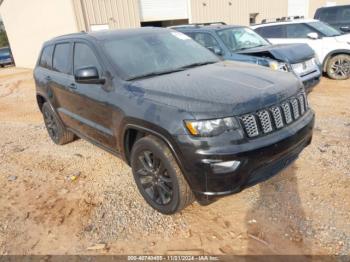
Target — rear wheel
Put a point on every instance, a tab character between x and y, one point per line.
57	132
158	176
338	67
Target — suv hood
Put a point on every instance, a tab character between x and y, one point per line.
219	90
291	53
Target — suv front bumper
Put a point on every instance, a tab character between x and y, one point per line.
310	80
259	158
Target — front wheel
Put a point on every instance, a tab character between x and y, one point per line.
338	67
158	176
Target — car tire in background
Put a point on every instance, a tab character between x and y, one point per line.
338	67
158	176
57	132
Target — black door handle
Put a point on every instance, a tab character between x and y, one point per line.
73	86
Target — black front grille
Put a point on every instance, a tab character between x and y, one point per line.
270	119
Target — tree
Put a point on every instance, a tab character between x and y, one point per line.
3	37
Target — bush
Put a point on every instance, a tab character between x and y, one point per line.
3	39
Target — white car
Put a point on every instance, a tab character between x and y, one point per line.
331	46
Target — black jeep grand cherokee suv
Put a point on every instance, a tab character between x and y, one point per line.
191	126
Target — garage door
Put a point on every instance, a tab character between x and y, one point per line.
160	10
298	7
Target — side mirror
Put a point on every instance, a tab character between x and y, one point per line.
88	75
215	50
313	36
345	29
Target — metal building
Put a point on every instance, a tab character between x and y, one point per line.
30	23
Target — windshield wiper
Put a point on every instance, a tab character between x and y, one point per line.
197	64
182	68
155	74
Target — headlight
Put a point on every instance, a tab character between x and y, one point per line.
214	127
274	65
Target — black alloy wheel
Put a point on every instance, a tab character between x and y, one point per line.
158	176
51	124
57	131
154	178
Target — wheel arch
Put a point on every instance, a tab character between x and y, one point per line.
41	100
132	132
332	54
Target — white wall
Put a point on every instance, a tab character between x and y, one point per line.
298	8
29	23
158	10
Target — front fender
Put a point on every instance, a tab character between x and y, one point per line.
331	54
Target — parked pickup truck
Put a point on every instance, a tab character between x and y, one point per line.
239	43
190	125
5	57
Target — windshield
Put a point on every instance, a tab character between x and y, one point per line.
324	29
156	53
5	51
237	39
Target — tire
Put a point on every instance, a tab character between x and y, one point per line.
57	132
158	176
338	67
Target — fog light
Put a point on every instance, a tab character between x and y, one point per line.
225	167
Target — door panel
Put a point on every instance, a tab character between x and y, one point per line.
92	112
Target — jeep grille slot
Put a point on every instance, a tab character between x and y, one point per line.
287	113
277	116
268	120
295	107
265	121
302	104
250	125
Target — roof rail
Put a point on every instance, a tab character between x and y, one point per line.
68	35
198	24
209	23
281	19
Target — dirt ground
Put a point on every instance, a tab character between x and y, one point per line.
303	210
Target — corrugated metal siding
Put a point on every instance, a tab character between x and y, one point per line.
298	8
158	10
236	11
115	13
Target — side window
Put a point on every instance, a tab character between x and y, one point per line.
46	57
298	30
206	40
85	57
62	58
275	31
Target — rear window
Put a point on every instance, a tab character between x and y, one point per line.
328	15
276	31
46	57
62	61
